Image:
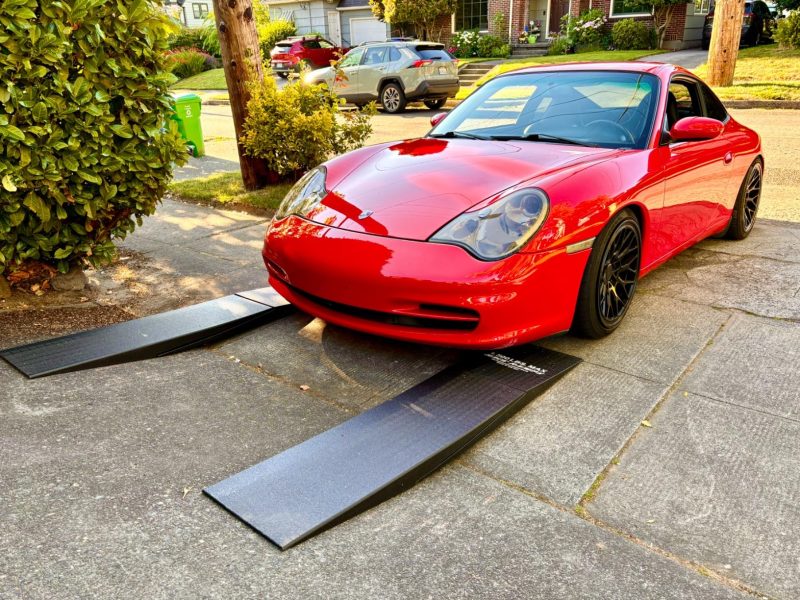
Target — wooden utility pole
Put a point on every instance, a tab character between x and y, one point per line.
241	60
725	37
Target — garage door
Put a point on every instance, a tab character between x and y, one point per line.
366	30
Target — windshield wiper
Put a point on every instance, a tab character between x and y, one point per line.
458	134
540	137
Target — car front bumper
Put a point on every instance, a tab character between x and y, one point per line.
422	291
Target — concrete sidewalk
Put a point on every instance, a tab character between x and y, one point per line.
101	471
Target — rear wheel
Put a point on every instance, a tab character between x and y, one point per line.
610	278
744	211
705	43
435	104
393	99
283	75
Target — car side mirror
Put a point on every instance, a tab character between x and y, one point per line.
695	129
437	118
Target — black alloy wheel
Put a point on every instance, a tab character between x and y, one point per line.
619	271
610	277
746	208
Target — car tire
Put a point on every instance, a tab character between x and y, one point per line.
705	44
435	104
393	100
614	262
745	209
283	75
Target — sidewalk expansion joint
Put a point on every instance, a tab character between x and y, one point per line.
281	380
585	516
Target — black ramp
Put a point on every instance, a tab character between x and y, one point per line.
149	337
387	449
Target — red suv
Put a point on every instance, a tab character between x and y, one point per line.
294	54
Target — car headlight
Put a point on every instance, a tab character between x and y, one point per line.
307	193
500	229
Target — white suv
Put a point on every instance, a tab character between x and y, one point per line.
393	73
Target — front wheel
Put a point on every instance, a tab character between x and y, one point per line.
744	213
435	104
393	99
610	278
283	75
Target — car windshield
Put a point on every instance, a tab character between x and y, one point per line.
610	109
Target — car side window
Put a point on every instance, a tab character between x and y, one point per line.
325	44
374	55
311	44
394	54
352	58
713	107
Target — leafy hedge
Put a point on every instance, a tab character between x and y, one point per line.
296	128
628	34
272	32
86	143
788	33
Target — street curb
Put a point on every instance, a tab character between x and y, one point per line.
788	104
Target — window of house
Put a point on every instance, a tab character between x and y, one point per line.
471	14
701	7
630	8
199	10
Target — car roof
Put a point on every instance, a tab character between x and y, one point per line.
631	66
402	43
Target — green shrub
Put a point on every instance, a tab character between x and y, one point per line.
560	45
185	62
788	33
86	142
628	34
187	37
272	32
210	37
465	44
490	45
300	126
589	28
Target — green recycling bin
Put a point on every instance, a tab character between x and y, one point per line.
187	114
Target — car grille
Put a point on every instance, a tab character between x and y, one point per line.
426	316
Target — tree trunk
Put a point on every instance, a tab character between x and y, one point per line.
725	37
241	60
663	23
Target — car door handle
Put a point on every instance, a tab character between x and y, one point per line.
728	158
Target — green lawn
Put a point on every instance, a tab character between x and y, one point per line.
226	190
519	63
207	80
762	73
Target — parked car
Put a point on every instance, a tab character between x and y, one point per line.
393	73
295	54
758	24
531	208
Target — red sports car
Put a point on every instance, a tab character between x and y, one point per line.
530	209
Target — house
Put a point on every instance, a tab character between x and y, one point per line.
506	18
344	22
190	13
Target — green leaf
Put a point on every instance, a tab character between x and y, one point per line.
63	252
123	131
13	132
8	184
102	96
91	177
39	111
70	162
38	206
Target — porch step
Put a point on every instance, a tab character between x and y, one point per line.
472	72
530	50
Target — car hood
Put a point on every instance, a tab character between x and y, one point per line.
411	189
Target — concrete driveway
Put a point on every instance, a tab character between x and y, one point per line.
101	471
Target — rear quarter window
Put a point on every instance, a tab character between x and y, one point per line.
433	53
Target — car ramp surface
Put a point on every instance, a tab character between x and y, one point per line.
387	449
149	337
